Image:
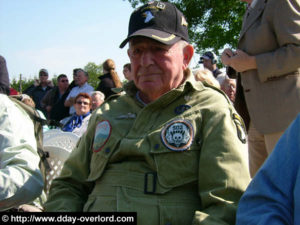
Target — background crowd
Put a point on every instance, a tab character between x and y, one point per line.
216	110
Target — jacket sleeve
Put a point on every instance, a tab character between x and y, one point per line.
271	195
69	192
223	168
20	178
285	58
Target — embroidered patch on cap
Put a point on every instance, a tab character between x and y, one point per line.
102	134
240	127
178	135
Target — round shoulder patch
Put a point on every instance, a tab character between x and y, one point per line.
178	135
102	134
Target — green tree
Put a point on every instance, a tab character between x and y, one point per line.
21	85
94	72
213	24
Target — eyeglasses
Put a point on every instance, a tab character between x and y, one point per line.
84	103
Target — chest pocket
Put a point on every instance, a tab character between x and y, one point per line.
176	153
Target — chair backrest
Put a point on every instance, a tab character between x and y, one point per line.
56	159
66	140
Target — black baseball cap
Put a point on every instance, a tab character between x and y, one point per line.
208	55
160	21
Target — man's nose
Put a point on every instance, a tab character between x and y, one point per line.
147	58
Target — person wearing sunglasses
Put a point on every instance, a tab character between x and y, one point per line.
78	122
54	100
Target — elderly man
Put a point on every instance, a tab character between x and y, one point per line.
97	99
170	149
82	78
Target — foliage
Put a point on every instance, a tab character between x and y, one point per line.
21	85
213	24
94	72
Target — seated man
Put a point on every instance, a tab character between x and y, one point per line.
20	178
78	122
97	99
170	149
82	86
273	195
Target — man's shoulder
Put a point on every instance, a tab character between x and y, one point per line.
212	94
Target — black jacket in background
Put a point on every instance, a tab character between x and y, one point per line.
106	84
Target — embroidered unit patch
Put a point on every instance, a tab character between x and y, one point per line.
178	135
102	134
240	128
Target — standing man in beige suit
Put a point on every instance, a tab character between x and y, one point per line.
268	62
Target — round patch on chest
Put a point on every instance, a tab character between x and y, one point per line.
102	134
178	135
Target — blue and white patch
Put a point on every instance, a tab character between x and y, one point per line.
102	134
148	15
178	135
181	109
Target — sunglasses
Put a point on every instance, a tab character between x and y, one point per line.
43	75
80	103
64	81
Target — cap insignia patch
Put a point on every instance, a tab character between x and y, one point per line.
102	134
161	5
178	135
148	16
183	22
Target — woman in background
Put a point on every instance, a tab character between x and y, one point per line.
109	79
78	122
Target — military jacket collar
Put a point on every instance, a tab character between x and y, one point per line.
190	83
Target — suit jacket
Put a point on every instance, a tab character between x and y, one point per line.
270	94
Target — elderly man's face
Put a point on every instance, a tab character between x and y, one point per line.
96	101
157	68
80	79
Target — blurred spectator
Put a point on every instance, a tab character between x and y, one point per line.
38	90
4	79
97	99
20	176
109	79
78	123
209	60
81	80
28	101
229	87
127	71
272	197
207	76
73	83
54	100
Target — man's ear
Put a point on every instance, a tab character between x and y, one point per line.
128	52
188	52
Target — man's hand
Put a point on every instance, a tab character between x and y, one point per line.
239	60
